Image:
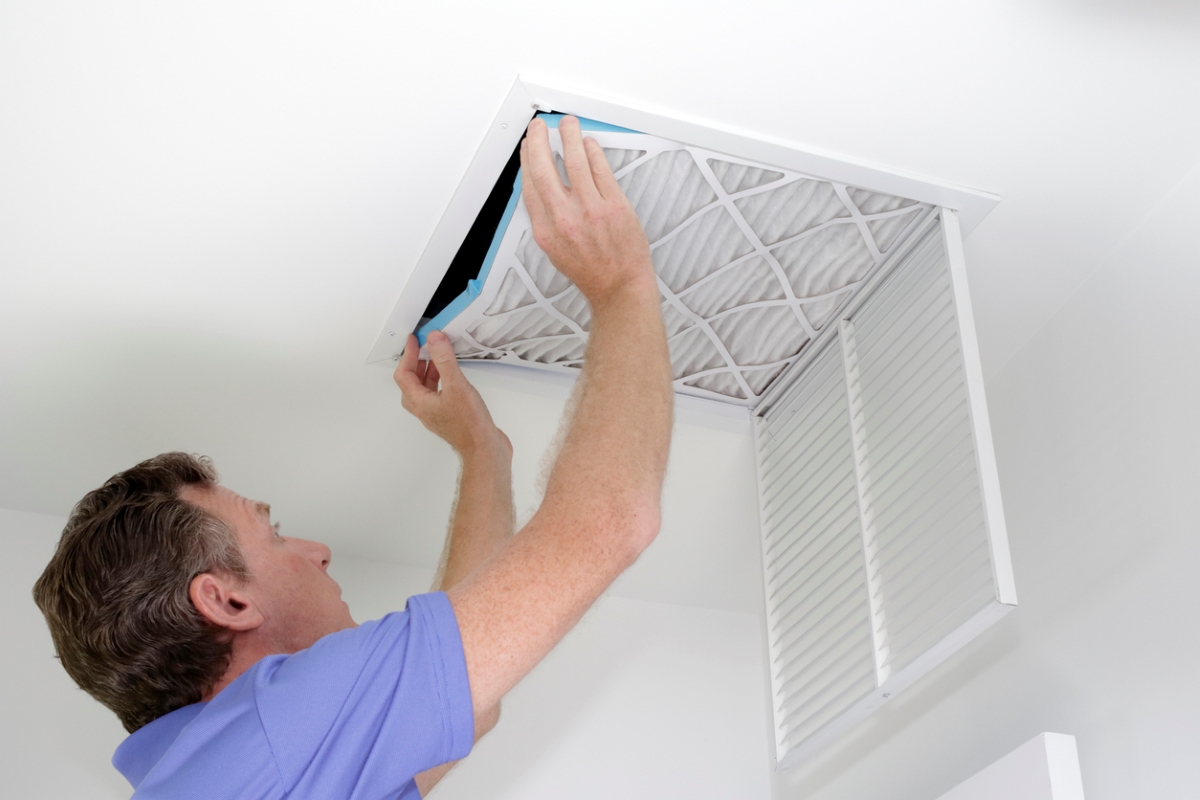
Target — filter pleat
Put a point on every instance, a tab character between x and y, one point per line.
619	158
719	382
512	295
869	202
700	248
826	260
501	331
759	379
674	321
736	178
791	209
548	280
666	190
551	351
748	282
819	312
694	352
761	336
885	230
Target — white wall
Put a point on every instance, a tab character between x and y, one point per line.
1098	441
642	700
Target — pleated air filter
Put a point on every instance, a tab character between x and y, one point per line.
752	262
830	298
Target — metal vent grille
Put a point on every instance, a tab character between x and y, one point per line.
819	620
752	263
883	546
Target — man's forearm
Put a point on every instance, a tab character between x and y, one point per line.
616	448
482	519
480	523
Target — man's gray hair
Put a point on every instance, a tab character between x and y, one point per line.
116	592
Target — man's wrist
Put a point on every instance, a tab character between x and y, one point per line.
485	444
638	290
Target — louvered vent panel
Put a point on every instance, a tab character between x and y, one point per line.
822	659
883	544
920	486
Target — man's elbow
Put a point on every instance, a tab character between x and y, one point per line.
486	721
638	527
620	524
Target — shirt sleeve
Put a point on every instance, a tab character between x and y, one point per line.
363	710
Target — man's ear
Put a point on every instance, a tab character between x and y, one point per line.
219	601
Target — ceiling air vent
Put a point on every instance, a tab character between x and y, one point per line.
826	297
757	245
752	263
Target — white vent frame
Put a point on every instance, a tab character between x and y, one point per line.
528	95
1005	599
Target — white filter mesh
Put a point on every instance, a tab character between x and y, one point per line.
753	262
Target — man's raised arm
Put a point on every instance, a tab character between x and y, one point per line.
438	394
601	506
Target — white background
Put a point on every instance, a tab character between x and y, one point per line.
206	213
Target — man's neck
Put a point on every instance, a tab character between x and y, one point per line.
245	654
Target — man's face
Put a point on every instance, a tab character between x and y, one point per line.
289	584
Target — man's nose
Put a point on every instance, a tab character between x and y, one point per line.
318	553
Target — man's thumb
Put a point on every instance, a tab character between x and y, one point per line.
442	353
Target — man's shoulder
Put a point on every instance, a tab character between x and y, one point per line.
357	705
214	749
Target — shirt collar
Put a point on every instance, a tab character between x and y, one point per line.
143	748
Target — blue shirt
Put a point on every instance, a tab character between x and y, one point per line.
356	715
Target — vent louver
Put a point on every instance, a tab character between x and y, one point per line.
884	547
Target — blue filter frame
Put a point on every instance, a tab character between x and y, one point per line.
475	286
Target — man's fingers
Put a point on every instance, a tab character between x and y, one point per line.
432	377
409	362
576	158
533	201
411	385
445	362
539	162
411	373
601	172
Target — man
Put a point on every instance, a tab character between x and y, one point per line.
225	648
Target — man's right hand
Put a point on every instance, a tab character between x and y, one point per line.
588	229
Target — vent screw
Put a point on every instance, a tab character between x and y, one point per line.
534	105
396	357
391	333
886	695
503	126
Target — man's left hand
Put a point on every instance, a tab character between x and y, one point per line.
437	393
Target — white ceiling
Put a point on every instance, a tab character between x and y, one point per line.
207	211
